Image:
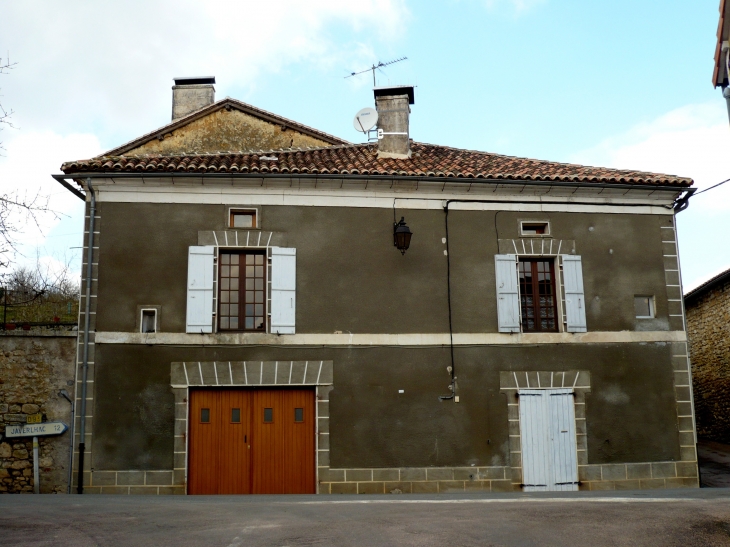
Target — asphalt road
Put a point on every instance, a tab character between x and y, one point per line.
656	518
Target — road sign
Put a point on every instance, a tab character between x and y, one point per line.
35	430
33	418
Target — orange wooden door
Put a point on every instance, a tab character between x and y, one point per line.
244	442
283	448
219	459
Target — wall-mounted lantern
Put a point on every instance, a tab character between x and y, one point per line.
401	235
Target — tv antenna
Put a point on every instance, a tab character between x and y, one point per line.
375	67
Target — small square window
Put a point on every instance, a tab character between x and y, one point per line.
243	219
235	415
298	414
644	307
534	228
149	321
268	415
204	415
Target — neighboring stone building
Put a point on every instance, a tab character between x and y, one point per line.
708	328
34	368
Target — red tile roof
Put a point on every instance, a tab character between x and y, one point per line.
427	160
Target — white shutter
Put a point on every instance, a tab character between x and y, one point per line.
575	302
283	290
200	289
508	297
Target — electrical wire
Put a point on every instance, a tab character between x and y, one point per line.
711	187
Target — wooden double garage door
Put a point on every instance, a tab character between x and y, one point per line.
251	441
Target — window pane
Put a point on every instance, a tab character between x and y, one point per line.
250	284
268	415
225	309
259	284
225	284
259	309
234	309
234	259
205	415
259	271
249	259
236	415
225	271
259	259
249	322
224	323
249	270
642	306
259	322
242	220
225	258
225	296
234	296
259	297
234	271
298	414
234	322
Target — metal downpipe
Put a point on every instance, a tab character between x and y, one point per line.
87	309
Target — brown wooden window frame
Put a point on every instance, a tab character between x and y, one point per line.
253	213
534	285
241	298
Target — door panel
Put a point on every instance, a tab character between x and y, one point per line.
283	449
265	452
547	432
234	453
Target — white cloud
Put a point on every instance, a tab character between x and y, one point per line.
103	73
692	141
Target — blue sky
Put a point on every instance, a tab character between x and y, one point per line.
620	83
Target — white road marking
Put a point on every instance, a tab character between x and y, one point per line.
506	500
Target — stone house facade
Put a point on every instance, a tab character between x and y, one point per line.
260	322
708	329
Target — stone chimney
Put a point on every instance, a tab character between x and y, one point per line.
191	94
392	104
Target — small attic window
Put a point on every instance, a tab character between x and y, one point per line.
149	321
243	218
532	228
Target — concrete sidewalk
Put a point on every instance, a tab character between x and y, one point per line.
686	518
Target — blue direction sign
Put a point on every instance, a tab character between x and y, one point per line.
35	430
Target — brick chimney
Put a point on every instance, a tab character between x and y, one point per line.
191	94
392	104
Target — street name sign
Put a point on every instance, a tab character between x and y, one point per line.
35	430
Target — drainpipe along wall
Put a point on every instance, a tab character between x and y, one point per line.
87	309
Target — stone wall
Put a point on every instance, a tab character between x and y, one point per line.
708	327
34	367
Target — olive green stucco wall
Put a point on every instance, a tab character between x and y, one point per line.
351	278
631	414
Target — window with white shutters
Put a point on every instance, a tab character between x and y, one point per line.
528	290
242	290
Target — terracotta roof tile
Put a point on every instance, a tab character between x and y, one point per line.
427	160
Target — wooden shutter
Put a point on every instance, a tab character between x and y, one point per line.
508	297
283	290
575	305
200	289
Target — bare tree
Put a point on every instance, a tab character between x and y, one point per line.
5	67
17	208
40	294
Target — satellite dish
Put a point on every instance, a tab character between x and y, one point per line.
365	120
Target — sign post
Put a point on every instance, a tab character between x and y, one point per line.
35	430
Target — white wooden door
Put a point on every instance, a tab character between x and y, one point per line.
547	434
